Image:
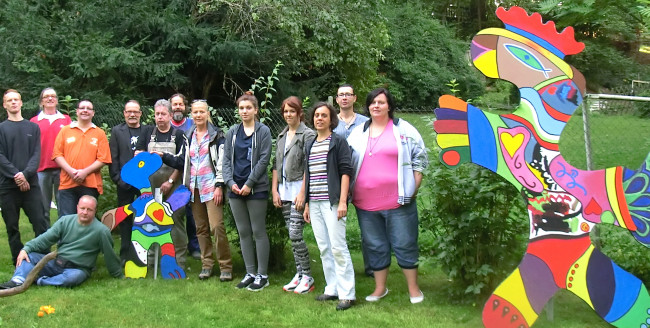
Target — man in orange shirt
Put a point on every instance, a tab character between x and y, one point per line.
80	149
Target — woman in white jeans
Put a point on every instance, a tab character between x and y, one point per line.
327	179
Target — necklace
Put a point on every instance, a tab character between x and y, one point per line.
371	146
348	122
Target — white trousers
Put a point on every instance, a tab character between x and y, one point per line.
330	237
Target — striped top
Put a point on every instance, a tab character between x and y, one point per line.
201	175
318	169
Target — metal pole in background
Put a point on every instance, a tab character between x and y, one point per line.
587	134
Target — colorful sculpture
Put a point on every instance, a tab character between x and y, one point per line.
152	221
564	203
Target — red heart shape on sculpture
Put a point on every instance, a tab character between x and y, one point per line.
593	208
159	215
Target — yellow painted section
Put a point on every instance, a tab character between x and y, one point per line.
579	282
512	289
487	63
157	212
452	140
561	64
610	184
133	271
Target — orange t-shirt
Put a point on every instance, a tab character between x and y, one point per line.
80	149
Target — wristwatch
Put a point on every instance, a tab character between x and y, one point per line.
171	180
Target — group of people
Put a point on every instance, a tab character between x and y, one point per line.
374	162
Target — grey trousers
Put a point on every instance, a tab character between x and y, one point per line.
250	218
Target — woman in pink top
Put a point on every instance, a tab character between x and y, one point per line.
389	157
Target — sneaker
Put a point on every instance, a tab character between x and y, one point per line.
292	284
306	285
205	274
248	279
344	305
225	276
325	297
9	284
259	283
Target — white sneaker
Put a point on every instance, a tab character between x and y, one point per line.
305	286
52	205
292	284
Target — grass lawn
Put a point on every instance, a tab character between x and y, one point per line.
103	301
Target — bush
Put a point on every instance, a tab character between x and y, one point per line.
624	250
475	227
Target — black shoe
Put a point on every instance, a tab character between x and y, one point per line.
9	284
344	305
259	283
248	279
325	297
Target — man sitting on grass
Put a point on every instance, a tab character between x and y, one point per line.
80	238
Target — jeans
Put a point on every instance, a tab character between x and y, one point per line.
209	224
69	198
330	237
11	201
51	275
48	180
396	229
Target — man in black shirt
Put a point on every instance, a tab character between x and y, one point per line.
20	153
124	138
168	142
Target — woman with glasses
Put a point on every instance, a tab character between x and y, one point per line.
385	202
203	160
288	171
247	151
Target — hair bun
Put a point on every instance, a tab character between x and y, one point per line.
249	92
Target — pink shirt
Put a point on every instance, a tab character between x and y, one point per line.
50	126
375	188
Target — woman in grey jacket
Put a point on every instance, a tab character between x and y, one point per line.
288	171
247	151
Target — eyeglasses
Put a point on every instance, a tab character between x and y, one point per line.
133	112
344	95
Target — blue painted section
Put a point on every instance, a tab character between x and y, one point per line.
151	234
625	295
450	114
483	148
537	40
546	122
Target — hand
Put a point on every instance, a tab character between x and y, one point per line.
342	210
159	153
19	178
22	256
277	201
218	196
305	214
80	176
245	191
24	187
72	173
235	189
165	187
300	201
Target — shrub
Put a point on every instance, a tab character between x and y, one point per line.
474	225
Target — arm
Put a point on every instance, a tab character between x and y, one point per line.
81	175
165	187
35	156
343	201
110	258
277	202
114	168
63	164
177	160
226	167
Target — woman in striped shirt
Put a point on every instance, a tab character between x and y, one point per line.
327	179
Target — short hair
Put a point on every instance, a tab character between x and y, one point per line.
10	91
248	96
179	95
40	97
389	99
296	103
85	100
89	197
163	103
334	119
132	101
202	102
346	85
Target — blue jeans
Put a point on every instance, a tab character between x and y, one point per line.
51	275
68	199
48	180
396	229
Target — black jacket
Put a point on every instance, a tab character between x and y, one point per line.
121	151
339	162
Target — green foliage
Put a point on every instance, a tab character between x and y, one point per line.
265	85
625	251
476	223
423	57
